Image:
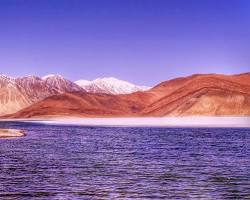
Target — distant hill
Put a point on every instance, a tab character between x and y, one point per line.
110	85
18	93
199	95
22	92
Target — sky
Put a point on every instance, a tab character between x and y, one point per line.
141	41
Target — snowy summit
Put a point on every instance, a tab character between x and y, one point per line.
110	85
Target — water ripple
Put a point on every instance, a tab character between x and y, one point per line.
72	162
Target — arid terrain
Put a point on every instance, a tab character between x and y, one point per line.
196	95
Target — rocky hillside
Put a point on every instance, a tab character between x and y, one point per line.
11	97
206	95
209	95
61	84
19	93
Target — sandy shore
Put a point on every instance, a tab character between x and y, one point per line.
11	133
152	122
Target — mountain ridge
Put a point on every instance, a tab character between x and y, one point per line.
110	85
21	92
195	95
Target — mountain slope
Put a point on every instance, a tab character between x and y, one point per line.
82	104
61	84
19	93
202	95
11	98
110	86
35	88
206	95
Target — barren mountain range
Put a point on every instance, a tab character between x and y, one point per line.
110	85
19	93
196	95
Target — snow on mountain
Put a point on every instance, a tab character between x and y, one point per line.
18	93
52	76
6	80
35	87
110	85
61	84
83	83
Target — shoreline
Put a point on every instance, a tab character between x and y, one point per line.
11	133
209	122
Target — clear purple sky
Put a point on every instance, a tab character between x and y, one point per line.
142	41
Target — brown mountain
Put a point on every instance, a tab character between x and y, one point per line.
19	93
210	94
82	104
11	98
35	88
202	95
61	84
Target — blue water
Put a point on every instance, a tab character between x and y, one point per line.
73	162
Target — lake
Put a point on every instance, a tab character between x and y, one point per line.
76	162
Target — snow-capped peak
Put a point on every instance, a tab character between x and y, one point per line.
61	84
82	82
6	79
112	81
110	85
3	76
52	76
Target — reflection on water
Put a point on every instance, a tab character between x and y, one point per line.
72	162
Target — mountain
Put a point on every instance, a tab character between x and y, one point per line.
11	97
200	95
209	95
61	84
19	93
35	88
110	86
82	105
